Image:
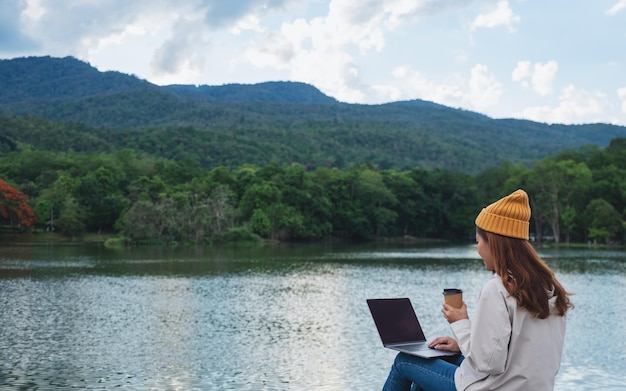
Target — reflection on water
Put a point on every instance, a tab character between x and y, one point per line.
283	318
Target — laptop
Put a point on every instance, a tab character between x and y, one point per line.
399	328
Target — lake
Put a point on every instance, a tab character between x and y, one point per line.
271	318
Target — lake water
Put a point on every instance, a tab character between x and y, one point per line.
277	318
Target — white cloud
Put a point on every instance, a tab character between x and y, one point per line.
479	92
249	22
318	51
617	7
313	52
575	106
390	92
400	72
501	16
621	93
324	50
33	11
180	52
541	76
521	72
485	90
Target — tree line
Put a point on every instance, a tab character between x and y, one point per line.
577	195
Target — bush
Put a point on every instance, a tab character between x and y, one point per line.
240	235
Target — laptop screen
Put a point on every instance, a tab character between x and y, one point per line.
396	320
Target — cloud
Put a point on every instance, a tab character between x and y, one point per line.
76	28
398	12
521	72
322	51
84	28
617	7
222	13
247	23
180	52
575	106
478	92
485	90
501	16
186	48
319	51
392	12
621	93
12	37
541	76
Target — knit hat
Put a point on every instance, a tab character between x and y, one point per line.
509	216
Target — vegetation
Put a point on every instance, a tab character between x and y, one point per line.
94	152
276	122
14	209
578	195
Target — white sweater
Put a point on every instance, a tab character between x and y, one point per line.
506	348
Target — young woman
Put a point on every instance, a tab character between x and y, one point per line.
515	338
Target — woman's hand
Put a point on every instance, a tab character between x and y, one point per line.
452	314
444	343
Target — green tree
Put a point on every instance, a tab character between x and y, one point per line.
309	208
604	223
450	203
260	222
341	210
143	221
410	201
100	194
147	188
72	218
375	202
555	185
569	218
221	209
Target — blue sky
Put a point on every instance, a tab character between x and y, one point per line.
551	61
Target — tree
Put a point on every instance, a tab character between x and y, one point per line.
449	204
555	185
310	206
142	221
72	218
53	198
221	210
13	207
603	221
99	193
375	201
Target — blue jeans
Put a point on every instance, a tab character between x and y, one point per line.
422	374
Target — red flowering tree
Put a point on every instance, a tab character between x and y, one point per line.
13	207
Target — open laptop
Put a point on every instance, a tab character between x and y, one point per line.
399	328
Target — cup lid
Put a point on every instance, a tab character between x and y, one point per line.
452	291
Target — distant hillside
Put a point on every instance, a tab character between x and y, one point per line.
274	121
275	92
47	78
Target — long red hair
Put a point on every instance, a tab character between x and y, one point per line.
525	276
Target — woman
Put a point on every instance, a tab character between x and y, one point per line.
515	338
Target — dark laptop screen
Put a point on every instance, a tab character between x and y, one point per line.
396	320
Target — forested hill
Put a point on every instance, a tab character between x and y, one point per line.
87	110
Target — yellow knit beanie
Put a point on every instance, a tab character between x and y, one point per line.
509	216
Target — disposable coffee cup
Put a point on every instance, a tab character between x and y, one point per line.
453	297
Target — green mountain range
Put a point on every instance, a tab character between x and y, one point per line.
57	104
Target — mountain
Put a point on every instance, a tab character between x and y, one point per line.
48	78
273	91
259	123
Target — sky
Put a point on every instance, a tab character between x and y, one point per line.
556	61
